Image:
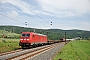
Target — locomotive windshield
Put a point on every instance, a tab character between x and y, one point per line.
25	35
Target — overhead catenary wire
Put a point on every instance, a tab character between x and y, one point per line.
20	10
24	12
44	19
11	18
32	12
38	15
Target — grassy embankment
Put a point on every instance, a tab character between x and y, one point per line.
75	50
8	44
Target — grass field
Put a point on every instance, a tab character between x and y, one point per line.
8	44
75	50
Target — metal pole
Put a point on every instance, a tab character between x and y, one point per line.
65	37
33	29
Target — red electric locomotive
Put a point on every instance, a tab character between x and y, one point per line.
30	38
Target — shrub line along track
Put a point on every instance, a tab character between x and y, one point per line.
32	53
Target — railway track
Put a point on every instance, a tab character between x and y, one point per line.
27	54
6	53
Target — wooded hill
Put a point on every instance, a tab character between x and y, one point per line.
53	34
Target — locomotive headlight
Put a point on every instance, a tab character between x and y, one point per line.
27	39
21	39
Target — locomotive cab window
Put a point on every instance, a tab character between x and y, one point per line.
25	35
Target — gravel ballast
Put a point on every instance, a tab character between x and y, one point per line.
48	55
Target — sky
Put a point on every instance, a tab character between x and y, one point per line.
46	14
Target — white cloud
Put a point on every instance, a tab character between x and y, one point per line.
12	14
58	8
50	10
72	7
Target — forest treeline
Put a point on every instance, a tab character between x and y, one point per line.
53	34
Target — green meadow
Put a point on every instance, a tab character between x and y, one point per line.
75	50
8	44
